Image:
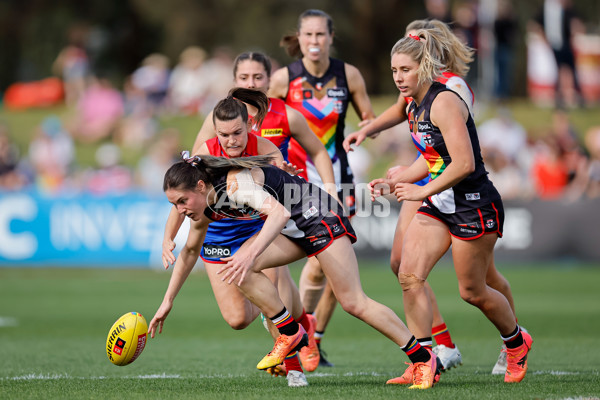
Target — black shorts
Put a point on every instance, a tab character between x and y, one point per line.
348	198
331	227
469	224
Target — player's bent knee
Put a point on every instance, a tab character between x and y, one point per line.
238	321
395	265
354	305
410	281
471	297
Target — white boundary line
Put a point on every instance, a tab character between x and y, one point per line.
36	377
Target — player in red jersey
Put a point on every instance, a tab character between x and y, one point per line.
224	238
252	70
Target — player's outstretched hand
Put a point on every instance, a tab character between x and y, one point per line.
159	318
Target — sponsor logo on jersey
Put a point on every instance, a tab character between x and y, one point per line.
424	126
337	93
212	250
271	132
465	230
310	212
301	94
119	345
472	196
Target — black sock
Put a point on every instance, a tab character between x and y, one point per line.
514	339
415	351
285	324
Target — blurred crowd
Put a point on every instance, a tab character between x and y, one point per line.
556	163
115	121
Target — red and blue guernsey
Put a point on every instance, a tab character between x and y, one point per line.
275	127
224	237
323	102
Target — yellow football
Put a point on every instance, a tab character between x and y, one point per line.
126	339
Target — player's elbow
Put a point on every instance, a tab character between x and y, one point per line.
466	167
285	214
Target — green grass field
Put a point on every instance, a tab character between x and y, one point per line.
54	323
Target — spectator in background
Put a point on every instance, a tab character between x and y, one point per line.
558	23
502	134
548	171
506	30
560	166
217	72
466	27
138	125
99	111
504	147
72	65
163	153
592	142
51	154
188	82
11	177
152	78
572	152
438	9
110	178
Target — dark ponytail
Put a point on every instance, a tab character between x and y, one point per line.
185	174
233	105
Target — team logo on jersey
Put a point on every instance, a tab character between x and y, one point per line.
337	93
472	196
490	223
427	139
319	86
211	250
338	107
271	132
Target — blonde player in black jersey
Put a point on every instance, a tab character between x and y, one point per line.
460	204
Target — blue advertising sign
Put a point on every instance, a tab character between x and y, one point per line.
81	230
